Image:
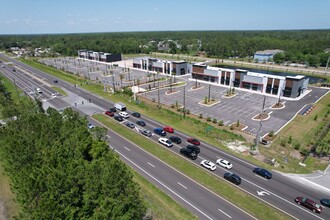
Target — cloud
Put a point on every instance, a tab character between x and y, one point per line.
12	21
27	21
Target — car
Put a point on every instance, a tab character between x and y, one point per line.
160	131
231	177
136	114
55	81
188	153
124	114
262	172
208	165
194	148
14	70
325	202
194	141
175	139
165	142
118	118
308	203
39	90
130	125
168	129
90	126
54	95
146	132
109	113
113	109
224	163
141	123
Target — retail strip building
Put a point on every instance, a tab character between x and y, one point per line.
286	86
163	66
100	56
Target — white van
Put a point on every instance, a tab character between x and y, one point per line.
120	106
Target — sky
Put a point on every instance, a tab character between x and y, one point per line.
87	16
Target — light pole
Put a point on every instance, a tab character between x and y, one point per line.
158	90
184	102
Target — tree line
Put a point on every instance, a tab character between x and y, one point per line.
302	46
61	170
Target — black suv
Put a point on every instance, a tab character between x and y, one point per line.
136	114
232	178
175	139
112	109
194	148
188	153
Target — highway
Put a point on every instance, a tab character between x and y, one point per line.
279	192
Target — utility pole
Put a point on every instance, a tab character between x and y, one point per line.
16	90
134	90
209	92
260	125
184	102
158	90
113	82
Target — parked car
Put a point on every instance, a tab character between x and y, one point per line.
175	139
124	114
130	125
55	81
262	172
224	163
168	129
39	90
146	132
165	142
141	123
208	165
194	141
232	178
90	126
194	148
188	153
308	203
160	131
118	118
325	202
136	114
54	95
109	113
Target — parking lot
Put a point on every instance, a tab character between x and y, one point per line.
242	107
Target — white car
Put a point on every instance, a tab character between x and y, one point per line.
165	142
90	126
54	96
224	163
39	90
124	114
209	165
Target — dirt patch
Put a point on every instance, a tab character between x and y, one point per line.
278	105
261	116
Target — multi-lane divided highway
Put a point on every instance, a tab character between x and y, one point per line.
278	192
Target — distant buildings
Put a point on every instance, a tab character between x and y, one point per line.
162	66
287	86
265	55
100	56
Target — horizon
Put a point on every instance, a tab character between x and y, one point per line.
75	17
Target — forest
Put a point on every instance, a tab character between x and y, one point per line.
300	46
62	170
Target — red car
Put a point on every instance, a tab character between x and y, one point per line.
168	129
310	204
109	113
194	141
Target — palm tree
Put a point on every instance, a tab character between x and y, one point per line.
121	76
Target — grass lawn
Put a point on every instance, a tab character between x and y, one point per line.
219	186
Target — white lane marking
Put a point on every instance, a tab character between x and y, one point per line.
224	213
262	193
182	185
172	191
151	164
127	148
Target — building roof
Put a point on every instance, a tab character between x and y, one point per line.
295	77
265	75
268	52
